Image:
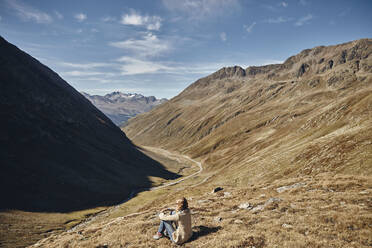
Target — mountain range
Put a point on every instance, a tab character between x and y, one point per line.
120	107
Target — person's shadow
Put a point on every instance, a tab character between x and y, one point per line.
199	231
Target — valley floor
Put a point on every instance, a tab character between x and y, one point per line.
326	210
20	228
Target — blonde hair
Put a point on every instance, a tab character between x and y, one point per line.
182	204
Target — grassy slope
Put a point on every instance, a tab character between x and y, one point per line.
276	122
325	211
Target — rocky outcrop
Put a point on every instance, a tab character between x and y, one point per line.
319	60
228	72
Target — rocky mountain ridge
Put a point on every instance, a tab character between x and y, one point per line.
120	107
310	61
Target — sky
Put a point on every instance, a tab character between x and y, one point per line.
159	47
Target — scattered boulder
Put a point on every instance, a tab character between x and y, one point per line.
258	208
293	186
273	200
226	194
287	226
245	205
272	203
217	189
202	201
217	219
238	221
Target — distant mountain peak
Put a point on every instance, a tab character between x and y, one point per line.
120	106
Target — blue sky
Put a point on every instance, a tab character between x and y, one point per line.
159	47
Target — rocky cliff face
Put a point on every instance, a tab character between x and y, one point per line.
120	107
309	115
58	152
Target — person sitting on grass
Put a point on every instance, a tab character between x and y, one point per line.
182	220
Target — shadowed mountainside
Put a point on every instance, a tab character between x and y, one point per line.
58	152
120	107
309	115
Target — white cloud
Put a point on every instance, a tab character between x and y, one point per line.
84	65
223	36
284	4
149	45
134	66
59	15
94	30
81	17
279	19
29	13
200	9
82	73
303	20
108	19
250	27
135	19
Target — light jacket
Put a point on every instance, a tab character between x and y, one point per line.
183	223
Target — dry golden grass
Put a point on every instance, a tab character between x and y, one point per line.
19	228
326	211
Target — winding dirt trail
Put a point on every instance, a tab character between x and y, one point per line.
168	154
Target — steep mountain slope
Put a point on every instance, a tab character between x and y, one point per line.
309	115
58	152
119	107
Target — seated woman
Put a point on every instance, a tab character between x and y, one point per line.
181	218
